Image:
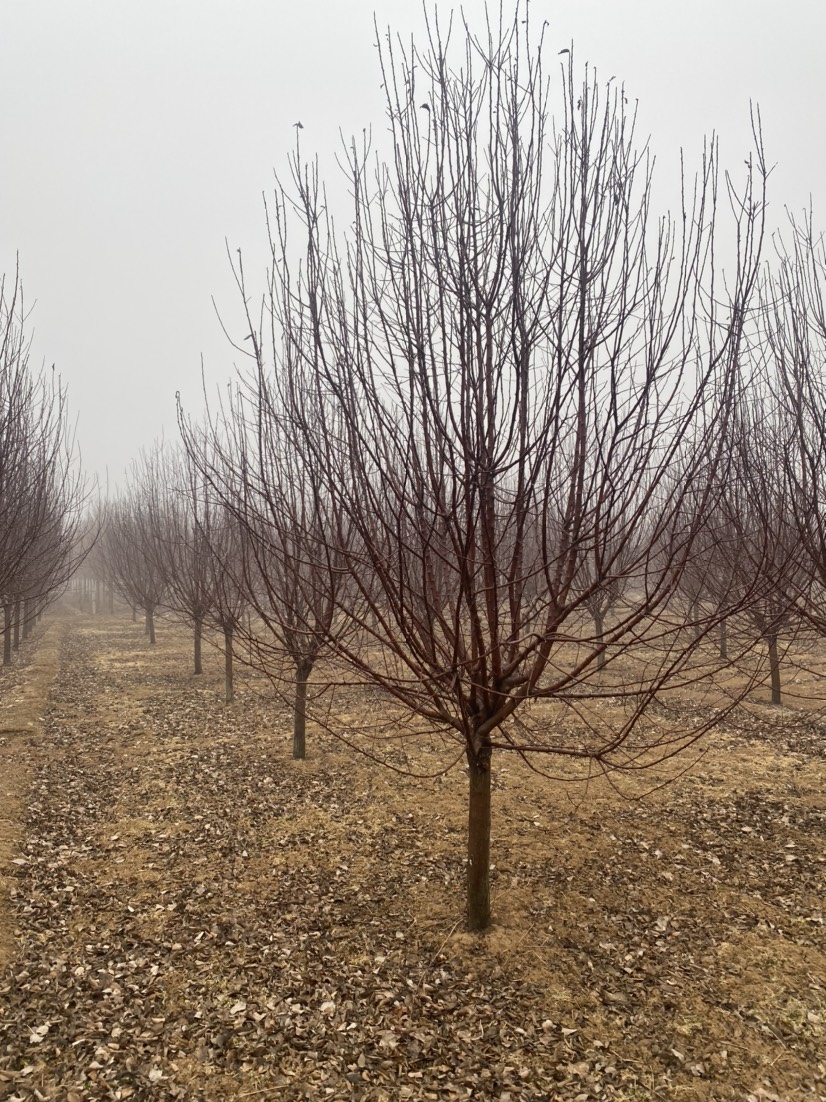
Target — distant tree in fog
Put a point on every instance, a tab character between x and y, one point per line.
126	545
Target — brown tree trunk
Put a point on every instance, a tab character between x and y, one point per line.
302	672
774	666
723	639
150	624
695	616
16	642
134	613
7	635
478	840
199	629
598	629
111	601
27	624
228	681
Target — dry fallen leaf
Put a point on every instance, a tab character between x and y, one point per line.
282	970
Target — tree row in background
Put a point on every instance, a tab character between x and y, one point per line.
41	489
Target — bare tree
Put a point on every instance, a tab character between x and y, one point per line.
222	539
41	488
279	560
792	340
230	607
492	382
130	562
753	561
176	519
156	550
605	574
93	580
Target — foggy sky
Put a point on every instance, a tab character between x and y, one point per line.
138	137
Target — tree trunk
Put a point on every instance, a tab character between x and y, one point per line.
228	682
478	840
111	601
16	643
199	629
302	672
723	639
150	624
7	635
774	666
695	617
134	613
27	624
598	629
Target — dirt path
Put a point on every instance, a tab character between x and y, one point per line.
201	918
24	691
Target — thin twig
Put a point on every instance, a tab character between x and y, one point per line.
444	943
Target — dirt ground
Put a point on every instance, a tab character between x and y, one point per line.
187	913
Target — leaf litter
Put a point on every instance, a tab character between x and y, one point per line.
196	916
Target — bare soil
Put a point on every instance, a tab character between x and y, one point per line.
193	915
24	689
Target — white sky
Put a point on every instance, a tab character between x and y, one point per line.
137	135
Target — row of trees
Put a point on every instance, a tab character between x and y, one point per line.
41	489
509	438
167	543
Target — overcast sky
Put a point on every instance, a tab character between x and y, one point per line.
137	137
